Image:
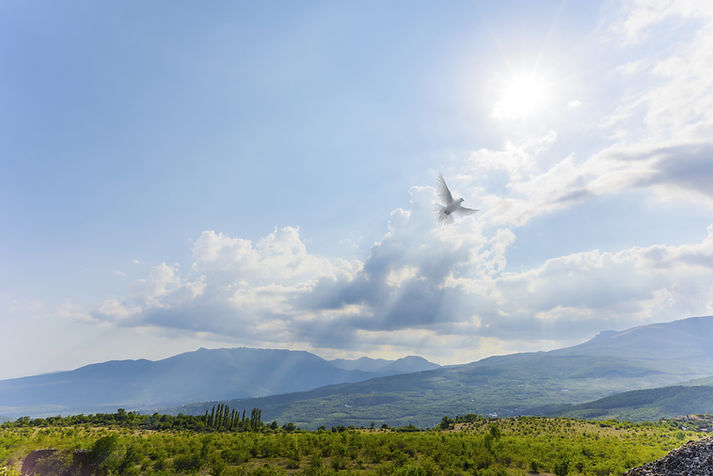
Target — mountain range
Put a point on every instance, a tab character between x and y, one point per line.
300	387
192	376
519	384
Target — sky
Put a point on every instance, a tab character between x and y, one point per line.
176	175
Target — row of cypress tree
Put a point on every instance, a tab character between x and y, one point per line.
222	417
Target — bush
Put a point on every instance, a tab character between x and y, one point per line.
187	462
562	467
102	449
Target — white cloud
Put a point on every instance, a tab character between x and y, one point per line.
164	287
671	87
428	287
640	16
632	67
115	310
280	256
420	283
400	275
234	287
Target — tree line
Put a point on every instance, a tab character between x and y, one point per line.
220	418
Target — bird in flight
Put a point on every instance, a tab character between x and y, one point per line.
444	213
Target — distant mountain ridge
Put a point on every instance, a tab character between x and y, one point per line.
649	356
299	387
409	364
192	376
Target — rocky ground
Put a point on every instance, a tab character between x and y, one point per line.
695	458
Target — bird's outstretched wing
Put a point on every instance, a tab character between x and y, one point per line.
443	193
465	211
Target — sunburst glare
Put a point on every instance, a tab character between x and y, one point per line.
522	95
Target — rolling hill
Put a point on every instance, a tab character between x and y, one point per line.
641	405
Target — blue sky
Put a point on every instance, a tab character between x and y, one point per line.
176	175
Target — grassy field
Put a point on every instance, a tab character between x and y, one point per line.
464	445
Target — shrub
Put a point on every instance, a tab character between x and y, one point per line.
187	462
562	467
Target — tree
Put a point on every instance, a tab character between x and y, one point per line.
446	423
102	449
255	419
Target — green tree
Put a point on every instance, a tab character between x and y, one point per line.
446	423
102	449
255	419
561	467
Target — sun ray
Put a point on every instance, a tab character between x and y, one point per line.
521	95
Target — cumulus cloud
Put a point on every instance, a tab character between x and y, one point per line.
423	283
447	292
234	287
473	294
420	283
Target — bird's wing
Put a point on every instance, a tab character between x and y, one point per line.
465	211
443	191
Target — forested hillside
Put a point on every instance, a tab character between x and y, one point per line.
641	405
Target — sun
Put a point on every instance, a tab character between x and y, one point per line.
521	96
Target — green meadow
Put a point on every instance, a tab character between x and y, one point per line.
131	444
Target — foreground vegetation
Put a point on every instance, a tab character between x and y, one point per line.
123	444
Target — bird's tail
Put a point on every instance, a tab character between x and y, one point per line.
443	217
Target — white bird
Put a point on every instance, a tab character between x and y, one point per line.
444	213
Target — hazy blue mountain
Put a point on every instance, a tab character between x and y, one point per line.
384	367
200	375
365	364
699	382
408	364
612	362
682	346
